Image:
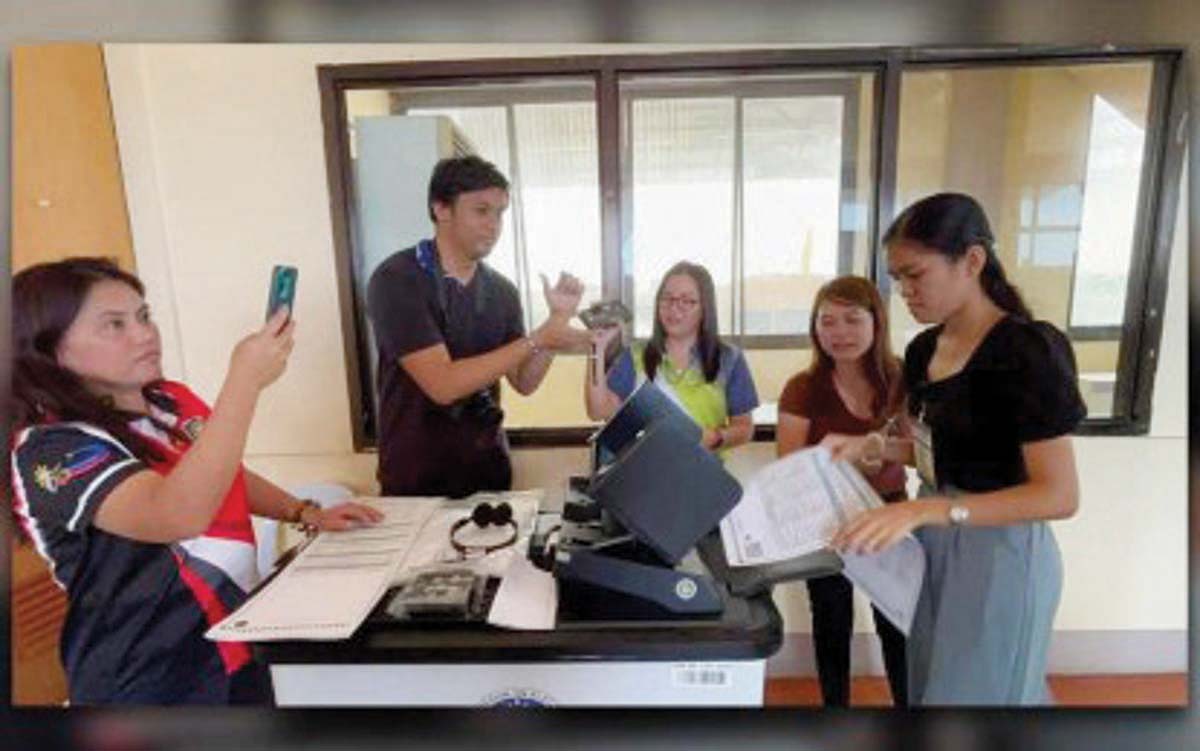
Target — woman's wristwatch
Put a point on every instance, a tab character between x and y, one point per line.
959	515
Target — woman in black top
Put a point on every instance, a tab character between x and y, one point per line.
992	401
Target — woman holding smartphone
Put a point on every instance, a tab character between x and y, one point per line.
992	401
133	489
852	387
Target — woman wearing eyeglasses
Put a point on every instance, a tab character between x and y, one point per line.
684	357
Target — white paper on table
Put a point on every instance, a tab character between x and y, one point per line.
432	549
527	599
792	507
891	579
331	586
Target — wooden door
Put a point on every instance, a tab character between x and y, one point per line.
67	199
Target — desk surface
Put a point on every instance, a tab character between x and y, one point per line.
749	629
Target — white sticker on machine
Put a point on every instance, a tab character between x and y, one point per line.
701	675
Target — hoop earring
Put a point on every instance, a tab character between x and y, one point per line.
485	515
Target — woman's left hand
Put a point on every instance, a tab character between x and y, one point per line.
349	515
878	529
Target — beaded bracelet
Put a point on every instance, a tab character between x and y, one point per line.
298	516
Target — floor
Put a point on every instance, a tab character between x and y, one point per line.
1158	690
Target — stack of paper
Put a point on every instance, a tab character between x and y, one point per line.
331	586
795	505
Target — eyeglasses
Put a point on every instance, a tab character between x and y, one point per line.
683	303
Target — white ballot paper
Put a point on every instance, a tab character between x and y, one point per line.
527	598
891	579
794	506
331	586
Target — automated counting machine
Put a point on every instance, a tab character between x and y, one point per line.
654	492
654	495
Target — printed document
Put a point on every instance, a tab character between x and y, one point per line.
334	582
331	586
891	580
527	599
794	506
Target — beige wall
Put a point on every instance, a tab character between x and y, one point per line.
224	171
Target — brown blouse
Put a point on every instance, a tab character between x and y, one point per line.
816	399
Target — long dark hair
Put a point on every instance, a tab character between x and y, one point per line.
950	223
882	367
707	339
46	300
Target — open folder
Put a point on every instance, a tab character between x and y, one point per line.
781	528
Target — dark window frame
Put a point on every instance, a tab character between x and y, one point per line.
1159	189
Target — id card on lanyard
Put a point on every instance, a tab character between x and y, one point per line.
923	449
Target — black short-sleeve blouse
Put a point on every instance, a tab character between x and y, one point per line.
1019	386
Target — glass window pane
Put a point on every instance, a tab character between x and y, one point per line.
1060	205
560	196
766	180
683	193
1055	248
1109	205
792	185
1054	154
486	130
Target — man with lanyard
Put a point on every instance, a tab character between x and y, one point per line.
448	327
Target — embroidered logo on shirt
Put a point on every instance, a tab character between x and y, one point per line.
73	466
49	478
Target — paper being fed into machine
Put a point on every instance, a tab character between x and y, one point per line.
793	506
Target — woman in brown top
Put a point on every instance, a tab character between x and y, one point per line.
854	387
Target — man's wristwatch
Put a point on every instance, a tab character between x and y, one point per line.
959	515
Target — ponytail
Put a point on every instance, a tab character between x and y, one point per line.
999	290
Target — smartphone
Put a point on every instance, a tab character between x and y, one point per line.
602	314
282	290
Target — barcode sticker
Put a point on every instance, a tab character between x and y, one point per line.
701	675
